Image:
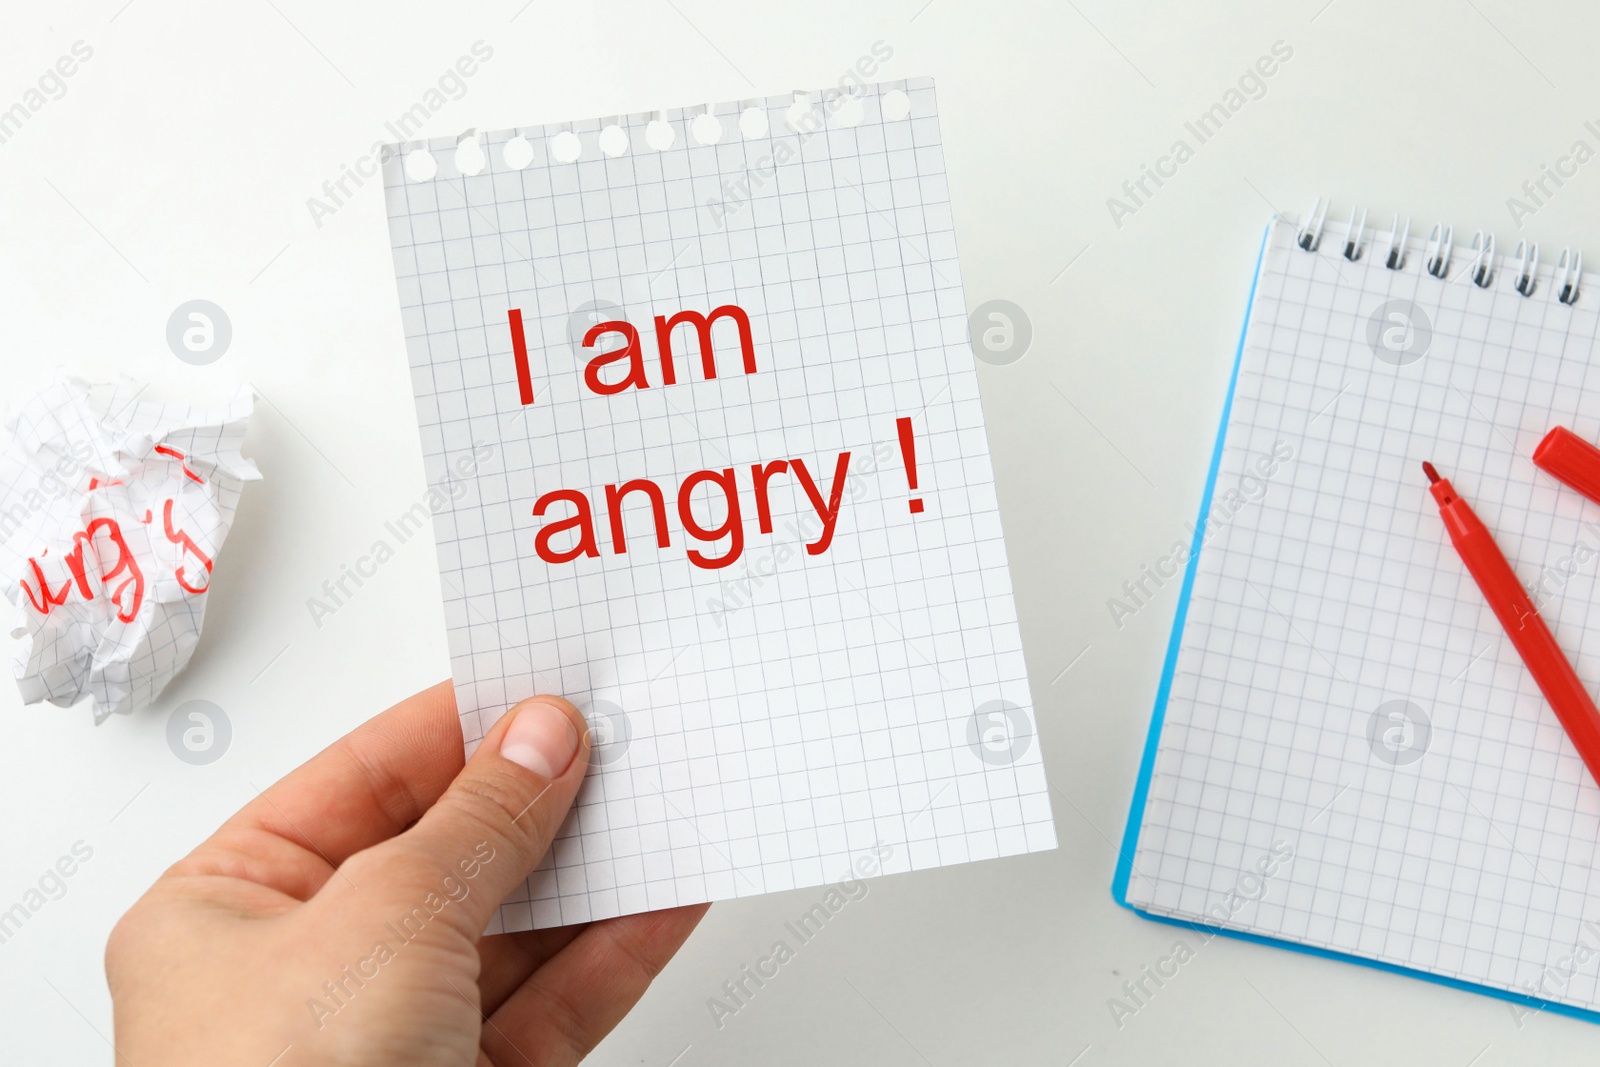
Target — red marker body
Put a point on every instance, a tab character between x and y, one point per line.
1533	640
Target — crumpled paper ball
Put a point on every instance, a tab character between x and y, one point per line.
112	512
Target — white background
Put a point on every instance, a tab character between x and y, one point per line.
178	165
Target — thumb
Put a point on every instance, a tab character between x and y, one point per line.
495	821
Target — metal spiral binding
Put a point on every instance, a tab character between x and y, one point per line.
1396	259
1440	239
1482	269
1440	247
1311	233
1567	285
1352	244
1527	264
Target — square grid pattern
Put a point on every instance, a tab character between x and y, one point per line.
140	456
763	725
1461	837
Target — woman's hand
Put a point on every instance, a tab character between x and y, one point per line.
337	919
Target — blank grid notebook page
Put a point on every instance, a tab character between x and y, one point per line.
1353	756
789	682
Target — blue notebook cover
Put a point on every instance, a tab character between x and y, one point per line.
1130	837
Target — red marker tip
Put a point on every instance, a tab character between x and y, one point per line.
1428	469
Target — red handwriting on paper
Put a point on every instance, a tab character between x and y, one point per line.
825	497
619	369
519	351
127	595
179	456
631	354
182	539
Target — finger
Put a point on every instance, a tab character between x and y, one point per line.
492	825
506	960
362	789
560	1013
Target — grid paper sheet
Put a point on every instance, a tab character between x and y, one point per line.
766	725
113	509
1346	713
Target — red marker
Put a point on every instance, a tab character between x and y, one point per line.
1534	642
1569	458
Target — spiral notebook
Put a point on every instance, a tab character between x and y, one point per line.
1346	755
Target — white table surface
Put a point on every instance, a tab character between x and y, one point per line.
178	165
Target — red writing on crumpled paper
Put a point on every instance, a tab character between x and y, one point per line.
100	549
